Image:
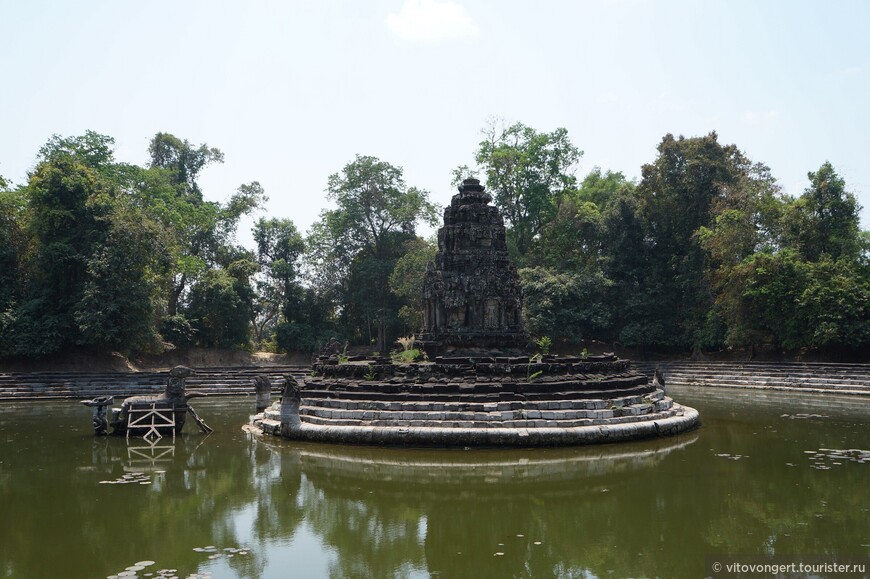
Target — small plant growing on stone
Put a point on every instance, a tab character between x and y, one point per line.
530	376
370	374
407	342
543	343
342	358
408	353
584	354
407	356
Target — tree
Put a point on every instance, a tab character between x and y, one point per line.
14	244
183	161
568	294
626	255
68	201
279	247
374	202
91	150
13	239
280	294
568	305
370	311
824	220
574	237
759	300
91	247
678	194
201	228
121	299
221	303
355	246
835	304
528	173
406	280
791	273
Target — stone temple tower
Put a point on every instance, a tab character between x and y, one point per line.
471	294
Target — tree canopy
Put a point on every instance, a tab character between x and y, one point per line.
103	255
355	246
703	252
528	173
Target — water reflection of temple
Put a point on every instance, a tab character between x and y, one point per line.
438	513
434	471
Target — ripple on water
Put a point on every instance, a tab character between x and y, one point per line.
802	416
826	458
732	456
129	478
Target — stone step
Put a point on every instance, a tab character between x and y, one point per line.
764	381
761	371
429	405
450	416
213	381
767	366
398	395
375	412
489	386
824	377
763	378
859	371
515	423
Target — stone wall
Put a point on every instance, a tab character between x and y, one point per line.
817	377
77	385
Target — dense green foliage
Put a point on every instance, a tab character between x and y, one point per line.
406	281
528	174
109	256
703	252
355	247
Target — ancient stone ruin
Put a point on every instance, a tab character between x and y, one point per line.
149	416
482	385
472	298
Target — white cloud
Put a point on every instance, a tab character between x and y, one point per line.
431	21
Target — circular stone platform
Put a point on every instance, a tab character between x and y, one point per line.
479	401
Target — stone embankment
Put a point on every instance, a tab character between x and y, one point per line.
481	414
78	385
480	401
826	378
821	378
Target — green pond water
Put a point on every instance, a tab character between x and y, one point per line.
759	478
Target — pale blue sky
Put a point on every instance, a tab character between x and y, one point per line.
291	91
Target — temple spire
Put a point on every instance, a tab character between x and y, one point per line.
472	296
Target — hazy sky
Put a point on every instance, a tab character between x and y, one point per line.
291	91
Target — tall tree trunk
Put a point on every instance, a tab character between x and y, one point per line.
175	295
